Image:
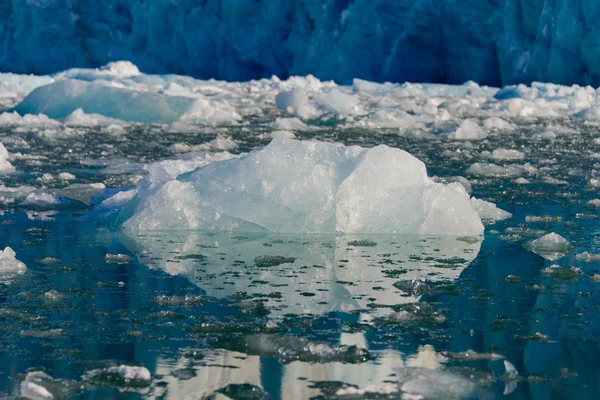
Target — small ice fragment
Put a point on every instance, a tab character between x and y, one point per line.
123	375
488	212
383	389
497	124
551	246
468	130
117	258
586	256
65	176
5	166
521	181
562	273
507	154
10	267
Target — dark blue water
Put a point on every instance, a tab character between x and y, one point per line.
303	316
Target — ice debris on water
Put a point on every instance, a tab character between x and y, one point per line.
122	375
294	348
551	246
586	256
10	267
434	383
5	166
384	388
335	188
117	258
562	273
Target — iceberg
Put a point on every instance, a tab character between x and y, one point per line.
295	186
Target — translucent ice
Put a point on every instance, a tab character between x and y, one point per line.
551	246
5	165
10	267
303	186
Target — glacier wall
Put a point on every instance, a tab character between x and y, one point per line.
494	42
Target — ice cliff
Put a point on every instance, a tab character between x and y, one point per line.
493	42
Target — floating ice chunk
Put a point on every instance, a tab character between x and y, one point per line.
79	118
494	170
521	181
66	176
383	389
117	258
294	102
5	166
304	186
282	134
507	154
33	387
551	246
123	375
339	102
468	130
495	123
289	124
62	98
10	267
220	143
42	200
488	212
293	348
390	118
562	273
588	257
436	384
112	70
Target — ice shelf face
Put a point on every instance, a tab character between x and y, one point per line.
309	187
491	42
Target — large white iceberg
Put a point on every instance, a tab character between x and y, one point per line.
310	187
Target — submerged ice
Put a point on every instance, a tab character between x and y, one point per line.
308	187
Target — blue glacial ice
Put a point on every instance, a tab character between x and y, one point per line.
491	42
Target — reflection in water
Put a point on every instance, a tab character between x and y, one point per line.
313	274
337	290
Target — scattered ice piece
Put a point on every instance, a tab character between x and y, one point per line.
497	124
294	102
521	181
53	295
66	176
243	391
551	246
339	102
470	355
289	124
117	258
42	200
511	375
507	154
383	388
562	273
586	256
488	212
123	375
34	387
282	134
293	348
468	130
494	170
436	384
5	166
10	267
543	218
